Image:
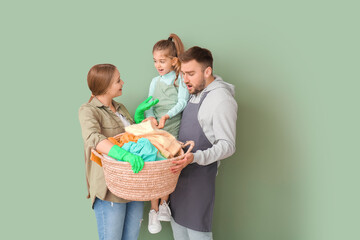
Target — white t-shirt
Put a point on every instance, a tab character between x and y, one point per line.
123	119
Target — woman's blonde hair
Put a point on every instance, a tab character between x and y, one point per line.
175	47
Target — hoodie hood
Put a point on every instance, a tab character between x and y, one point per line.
220	83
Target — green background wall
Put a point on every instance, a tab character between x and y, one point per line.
295	65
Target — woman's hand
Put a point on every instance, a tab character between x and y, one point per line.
145	105
163	120
136	162
114	151
181	164
152	119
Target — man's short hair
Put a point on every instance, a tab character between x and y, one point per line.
201	55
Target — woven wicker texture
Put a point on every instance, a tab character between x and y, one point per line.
154	181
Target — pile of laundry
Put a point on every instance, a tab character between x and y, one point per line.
146	141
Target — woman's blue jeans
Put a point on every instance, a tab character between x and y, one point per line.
120	221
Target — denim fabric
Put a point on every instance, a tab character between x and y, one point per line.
183	233
118	221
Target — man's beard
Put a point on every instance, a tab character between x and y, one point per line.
199	88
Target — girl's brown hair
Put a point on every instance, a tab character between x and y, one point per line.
99	79
175	47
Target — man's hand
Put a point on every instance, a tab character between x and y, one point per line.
180	164
163	120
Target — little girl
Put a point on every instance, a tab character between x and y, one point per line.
173	95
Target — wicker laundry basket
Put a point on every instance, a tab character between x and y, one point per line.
154	181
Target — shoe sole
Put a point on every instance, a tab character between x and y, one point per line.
154	232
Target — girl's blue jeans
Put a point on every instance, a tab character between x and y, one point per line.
120	221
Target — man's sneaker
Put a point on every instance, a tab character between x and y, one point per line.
154	223
164	212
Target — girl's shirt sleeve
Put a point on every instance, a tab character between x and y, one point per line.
150	112
183	97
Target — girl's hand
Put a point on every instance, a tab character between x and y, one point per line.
163	120
152	119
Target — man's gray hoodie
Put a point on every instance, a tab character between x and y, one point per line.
217	117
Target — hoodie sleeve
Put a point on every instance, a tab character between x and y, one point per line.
223	133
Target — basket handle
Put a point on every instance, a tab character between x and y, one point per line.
96	153
191	145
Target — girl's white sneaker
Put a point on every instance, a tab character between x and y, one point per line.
164	212
154	225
